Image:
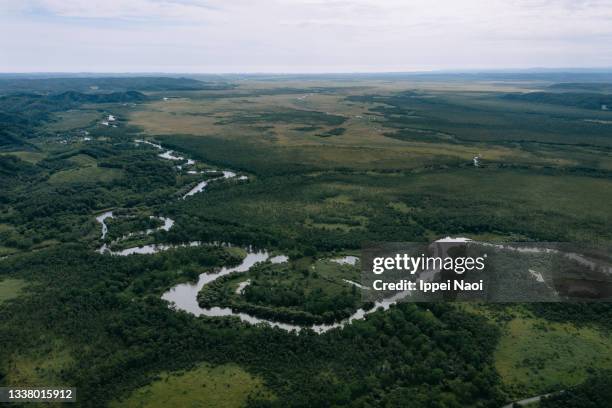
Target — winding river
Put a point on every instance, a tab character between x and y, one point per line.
184	296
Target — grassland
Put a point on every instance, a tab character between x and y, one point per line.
225	386
31	157
86	174
73	119
43	364
448	125
405	143
11	288
535	356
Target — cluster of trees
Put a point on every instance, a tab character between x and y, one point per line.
338	131
595	392
578	313
124	224
14	171
583	100
281	293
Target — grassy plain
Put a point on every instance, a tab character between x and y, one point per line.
225	386
43	364
10	288
85	174
536	356
406	143
464	121
75	118
28	156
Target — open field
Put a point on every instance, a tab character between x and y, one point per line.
438	126
226	386
399	145
10	288
31	157
41	365
74	119
91	174
535	356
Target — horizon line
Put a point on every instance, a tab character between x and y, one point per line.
432	71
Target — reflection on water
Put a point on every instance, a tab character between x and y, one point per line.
279	259
101	219
346	260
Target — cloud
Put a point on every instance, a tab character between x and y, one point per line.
122	9
303	35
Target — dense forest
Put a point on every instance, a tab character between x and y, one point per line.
596	392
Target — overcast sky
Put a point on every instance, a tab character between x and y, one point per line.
302	35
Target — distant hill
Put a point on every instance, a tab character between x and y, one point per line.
585	100
106	84
9	140
605	87
30	105
20	113
113	97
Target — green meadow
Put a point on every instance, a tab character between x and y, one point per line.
226	386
